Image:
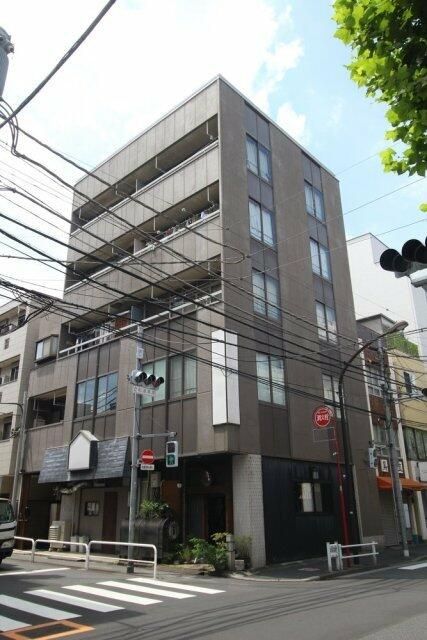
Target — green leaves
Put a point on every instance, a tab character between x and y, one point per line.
389	43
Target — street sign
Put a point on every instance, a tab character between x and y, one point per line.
147	456
146	467
322	417
144	391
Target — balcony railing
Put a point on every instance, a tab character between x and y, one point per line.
178	304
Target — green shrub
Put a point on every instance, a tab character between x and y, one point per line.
243	547
151	509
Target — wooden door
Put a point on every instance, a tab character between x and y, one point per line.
109	519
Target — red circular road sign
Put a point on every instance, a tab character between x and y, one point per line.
322	417
147	456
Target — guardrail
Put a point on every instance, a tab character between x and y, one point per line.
334	551
126	544
88	546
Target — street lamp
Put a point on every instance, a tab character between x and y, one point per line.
350	501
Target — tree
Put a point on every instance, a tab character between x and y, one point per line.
389	43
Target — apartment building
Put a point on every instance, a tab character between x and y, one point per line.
407	375
224	239
16	360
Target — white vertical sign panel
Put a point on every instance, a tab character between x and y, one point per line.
225	383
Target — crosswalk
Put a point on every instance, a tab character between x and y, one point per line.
413	567
108	596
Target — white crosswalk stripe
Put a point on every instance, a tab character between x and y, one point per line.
175	585
149	590
412	567
113	595
7	624
67	598
36	609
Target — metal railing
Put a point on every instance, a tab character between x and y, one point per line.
88	546
334	552
125	544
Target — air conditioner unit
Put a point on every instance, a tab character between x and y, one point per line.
59	530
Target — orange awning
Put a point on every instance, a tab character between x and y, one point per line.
384	484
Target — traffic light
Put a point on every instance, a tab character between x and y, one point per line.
171	453
412	259
139	377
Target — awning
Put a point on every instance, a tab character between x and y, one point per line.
384	484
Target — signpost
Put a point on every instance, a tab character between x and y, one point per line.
146	460
322	417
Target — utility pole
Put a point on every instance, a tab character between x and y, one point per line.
133	497
6	47
391	442
20	453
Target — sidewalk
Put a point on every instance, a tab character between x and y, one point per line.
317	568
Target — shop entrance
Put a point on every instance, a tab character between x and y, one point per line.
206	515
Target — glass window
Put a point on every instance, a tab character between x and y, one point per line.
411	445
314	497
264	164
321	320
331	323
272	290
107	393
420	444
270	379
5	431
309	201
190	376
6	512
267	227
373	378
320	259
255	220
326	322
175	377
315	257
85	398
252	154
319	210
305	502
159	369
330	393
258	290
39	350
409	379
265	289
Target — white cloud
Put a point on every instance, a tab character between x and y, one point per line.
143	58
292	122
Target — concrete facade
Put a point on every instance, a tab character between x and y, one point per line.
185	263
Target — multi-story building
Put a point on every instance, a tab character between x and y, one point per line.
224	239
377	291
16	360
407	378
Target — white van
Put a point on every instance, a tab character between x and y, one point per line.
7	528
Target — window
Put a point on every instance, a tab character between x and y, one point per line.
14	372
373	378
6	343
314	497
314	202
419	440
182	376
6	512
258	159
320	259
270	379
5	431
85	398
330	393
326	322
265	290
261	223
107	393
159	369
409	379
92	508
46	348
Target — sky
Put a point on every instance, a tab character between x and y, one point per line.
148	55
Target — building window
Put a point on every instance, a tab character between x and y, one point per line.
91	508
314	497
107	393
265	290
6	343
46	348
320	259
85	398
158	368
326	322
5	430
261	223
419	439
330	393
373	378
258	159
182	376
314	202
409	379
270	379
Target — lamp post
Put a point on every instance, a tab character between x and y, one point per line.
349	484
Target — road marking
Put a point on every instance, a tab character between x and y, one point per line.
412	567
175	585
67	598
27	573
48	631
144	589
7	624
113	595
36	609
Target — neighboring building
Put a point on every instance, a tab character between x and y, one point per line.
377	291
407	378
16	359
265	275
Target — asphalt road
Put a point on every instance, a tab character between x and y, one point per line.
42	600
